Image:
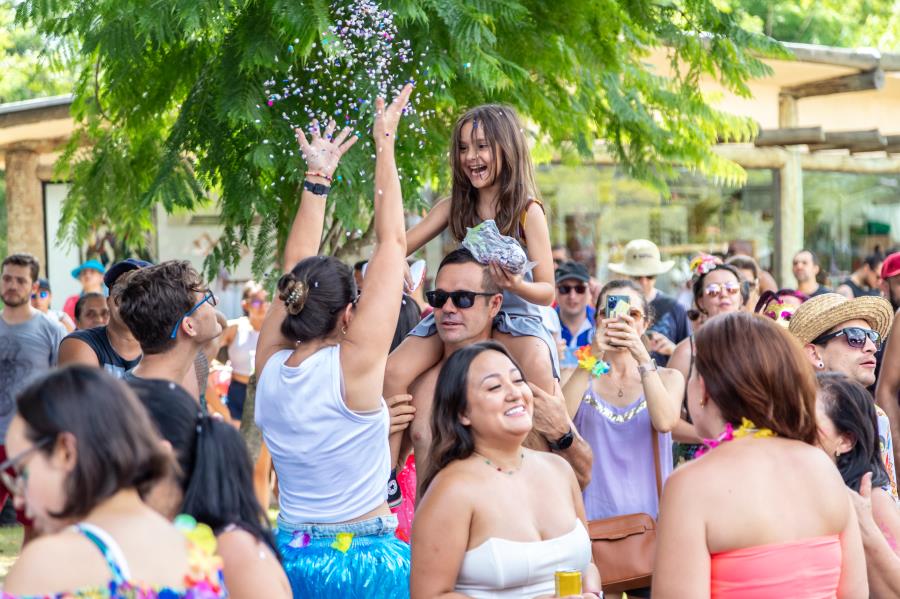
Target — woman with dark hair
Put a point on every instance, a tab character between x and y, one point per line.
83	454
797	535
779	305
621	411
490	506
214	485
848	433
320	365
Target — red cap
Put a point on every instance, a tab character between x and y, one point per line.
891	266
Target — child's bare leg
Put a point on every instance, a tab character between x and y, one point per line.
412	358
533	357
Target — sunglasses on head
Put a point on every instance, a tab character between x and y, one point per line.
567	289
715	290
855	337
461	299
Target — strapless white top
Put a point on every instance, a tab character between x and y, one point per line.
502	568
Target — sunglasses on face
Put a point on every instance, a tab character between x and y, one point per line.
715	290
15	483
855	337
257	303
40	294
785	315
461	299
567	289
209	297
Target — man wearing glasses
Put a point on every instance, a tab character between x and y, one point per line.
172	314
575	314
465	300
843	335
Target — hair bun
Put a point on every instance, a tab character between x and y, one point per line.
294	295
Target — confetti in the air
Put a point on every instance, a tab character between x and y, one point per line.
359	58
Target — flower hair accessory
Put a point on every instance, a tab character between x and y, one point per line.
703	264
587	361
294	297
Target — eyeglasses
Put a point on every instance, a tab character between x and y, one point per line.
461	299
715	290
567	289
855	337
40	294
15	483
257	303
209	297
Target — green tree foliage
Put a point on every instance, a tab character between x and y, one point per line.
170	97
844	23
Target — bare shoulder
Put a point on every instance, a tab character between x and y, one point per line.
237	545
550	464
670	374
32	574
454	487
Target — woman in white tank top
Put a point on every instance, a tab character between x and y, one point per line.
496	520
320	365
241	337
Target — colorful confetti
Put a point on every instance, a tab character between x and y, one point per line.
342	541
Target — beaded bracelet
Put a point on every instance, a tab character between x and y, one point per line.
318	174
587	361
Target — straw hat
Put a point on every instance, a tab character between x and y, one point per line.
820	314
641	260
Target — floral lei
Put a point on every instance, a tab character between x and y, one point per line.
746	429
704	263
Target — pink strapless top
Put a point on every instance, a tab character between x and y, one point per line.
806	569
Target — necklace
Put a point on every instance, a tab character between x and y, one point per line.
510	472
747	429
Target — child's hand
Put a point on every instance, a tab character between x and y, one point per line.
322	154
388	117
505	279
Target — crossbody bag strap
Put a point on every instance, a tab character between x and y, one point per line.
655	438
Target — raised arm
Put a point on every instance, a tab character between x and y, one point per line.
429	227
365	347
322	155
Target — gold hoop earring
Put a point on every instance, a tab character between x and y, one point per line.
343	330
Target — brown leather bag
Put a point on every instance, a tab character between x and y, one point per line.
624	546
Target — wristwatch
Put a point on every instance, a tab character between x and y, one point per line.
648	367
563	442
316	188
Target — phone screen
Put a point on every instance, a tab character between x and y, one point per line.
617	305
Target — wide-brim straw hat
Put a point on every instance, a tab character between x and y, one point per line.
818	315
641	260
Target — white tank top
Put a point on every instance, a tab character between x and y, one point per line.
499	568
242	350
333	464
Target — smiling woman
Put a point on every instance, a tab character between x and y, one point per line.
484	508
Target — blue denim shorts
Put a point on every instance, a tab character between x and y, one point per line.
359	559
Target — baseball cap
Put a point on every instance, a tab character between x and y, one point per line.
572	270
119	268
44	284
891	266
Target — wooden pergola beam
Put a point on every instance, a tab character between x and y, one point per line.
871	138
865	80
790	136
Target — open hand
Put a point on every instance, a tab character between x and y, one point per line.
661	344
388	117
621	333
323	153
550	418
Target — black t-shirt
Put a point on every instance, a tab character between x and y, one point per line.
98	341
669	319
820	290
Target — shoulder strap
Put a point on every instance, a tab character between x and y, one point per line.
655	440
524	216
111	551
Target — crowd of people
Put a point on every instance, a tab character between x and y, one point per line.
523	427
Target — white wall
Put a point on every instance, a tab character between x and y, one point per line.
60	260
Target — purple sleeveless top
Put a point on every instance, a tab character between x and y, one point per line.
623	477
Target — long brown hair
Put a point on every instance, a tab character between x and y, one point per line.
451	440
504	134
765	377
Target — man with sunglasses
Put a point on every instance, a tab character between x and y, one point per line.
575	313
172	314
465	300
43	298
843	335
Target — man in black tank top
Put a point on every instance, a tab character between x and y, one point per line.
865	280
111	347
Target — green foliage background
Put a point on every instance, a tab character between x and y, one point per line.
167	97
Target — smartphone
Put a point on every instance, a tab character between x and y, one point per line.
617	305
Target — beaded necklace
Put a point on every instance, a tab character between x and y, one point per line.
510	472
747	429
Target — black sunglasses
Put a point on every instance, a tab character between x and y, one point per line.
855	336
461	299
566	289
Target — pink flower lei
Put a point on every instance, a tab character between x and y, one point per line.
747	428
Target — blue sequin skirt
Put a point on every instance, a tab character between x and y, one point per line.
348	561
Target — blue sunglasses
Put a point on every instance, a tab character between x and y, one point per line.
209	297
